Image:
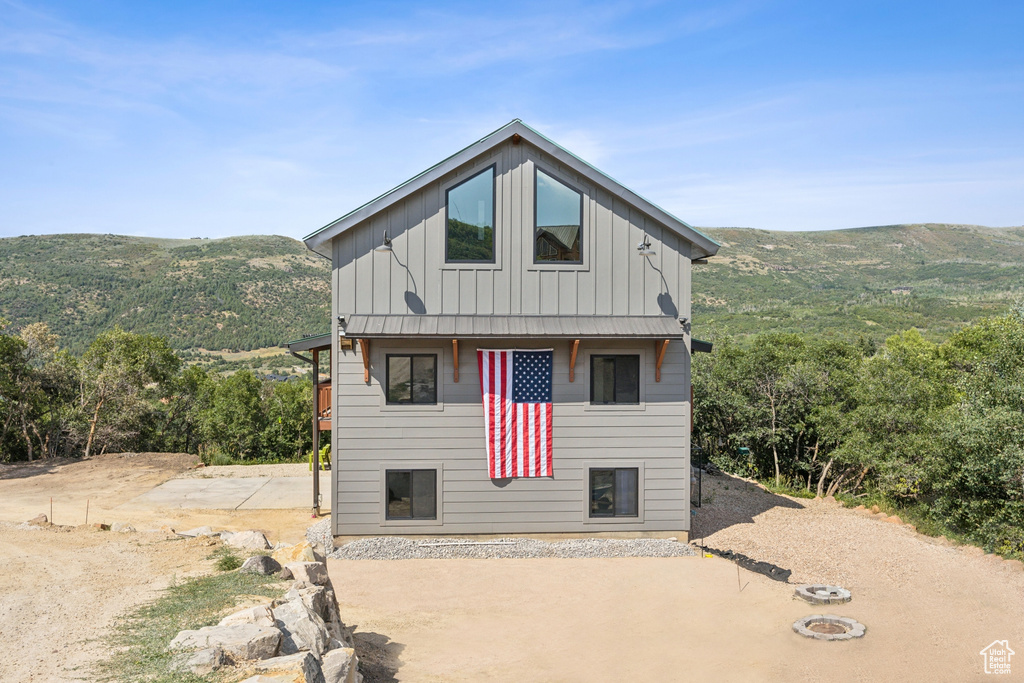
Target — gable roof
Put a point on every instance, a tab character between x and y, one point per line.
703	245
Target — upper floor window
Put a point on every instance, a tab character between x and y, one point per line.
470	219
558	217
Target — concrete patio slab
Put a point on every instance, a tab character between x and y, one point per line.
234	493
285	493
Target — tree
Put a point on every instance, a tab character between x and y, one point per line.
235	420
116	369
774	393
900	394
13	369
290	412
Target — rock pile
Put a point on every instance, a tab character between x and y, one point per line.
299	637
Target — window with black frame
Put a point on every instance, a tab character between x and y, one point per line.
615	379
470	220
558	217
614	492
412	494
411	379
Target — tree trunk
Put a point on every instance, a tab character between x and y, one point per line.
775	449
28	439
92	427
814	459
824	475
836	483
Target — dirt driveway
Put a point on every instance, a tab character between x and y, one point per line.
61	589
929	608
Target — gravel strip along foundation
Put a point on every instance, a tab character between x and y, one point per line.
398	548
320	534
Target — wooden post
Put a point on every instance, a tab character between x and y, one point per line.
661	357
316	433
364	348
574	348
455	354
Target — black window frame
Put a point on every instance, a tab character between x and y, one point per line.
536	180
613	514
639	373
412	493
387	379
493	168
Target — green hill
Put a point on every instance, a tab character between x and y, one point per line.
247	293
234	293
864	281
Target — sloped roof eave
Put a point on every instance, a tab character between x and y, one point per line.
317	241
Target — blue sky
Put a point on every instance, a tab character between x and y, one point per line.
184	119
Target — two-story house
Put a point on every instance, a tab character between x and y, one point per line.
512	243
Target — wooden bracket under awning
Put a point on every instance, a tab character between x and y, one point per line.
455	354
661	356
574	348
364	348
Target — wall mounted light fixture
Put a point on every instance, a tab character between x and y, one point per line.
385	247
644	248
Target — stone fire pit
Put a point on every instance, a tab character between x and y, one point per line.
820	594
829	627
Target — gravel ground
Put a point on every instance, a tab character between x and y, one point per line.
320	533
397	548
820	540
297	469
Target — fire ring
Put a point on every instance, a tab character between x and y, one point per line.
820	594
829	627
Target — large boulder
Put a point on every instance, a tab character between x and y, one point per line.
300	552
260	564
241	641
322	601
341	666
248	540
310	572
260	615
200	662
302	629
302	667
198	531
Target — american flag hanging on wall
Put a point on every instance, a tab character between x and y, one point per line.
516	389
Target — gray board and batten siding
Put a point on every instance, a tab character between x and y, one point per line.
415	279
373	437
406	301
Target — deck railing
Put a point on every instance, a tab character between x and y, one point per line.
323	391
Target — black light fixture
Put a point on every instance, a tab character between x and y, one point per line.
644	248
385	246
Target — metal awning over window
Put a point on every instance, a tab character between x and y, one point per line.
484	326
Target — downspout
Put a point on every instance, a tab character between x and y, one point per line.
316	431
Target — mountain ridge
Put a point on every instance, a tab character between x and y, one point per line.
257	291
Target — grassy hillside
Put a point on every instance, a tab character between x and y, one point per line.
244	293
843	281
234	293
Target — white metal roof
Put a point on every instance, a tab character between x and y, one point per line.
703	245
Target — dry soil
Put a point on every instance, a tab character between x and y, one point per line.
929	608
62	588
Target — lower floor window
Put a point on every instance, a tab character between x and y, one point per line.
412	494
614	492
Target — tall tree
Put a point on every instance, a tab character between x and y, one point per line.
116	369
